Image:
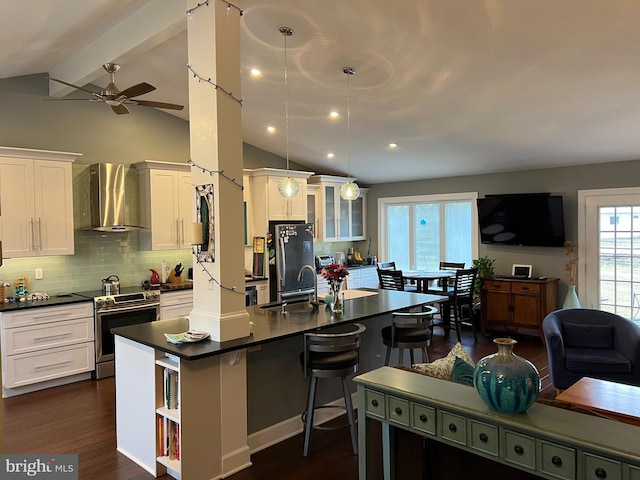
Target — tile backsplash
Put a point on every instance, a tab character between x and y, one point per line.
97	255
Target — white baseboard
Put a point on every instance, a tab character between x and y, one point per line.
293	426
34	387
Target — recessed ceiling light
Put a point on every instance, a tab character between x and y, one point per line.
255	72
271	129
330	156
393	145
334	114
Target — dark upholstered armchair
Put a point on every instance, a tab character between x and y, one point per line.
582	342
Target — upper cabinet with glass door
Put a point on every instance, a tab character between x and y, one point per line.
339	220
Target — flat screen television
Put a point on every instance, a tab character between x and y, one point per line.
522	219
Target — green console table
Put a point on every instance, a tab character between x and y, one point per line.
546	441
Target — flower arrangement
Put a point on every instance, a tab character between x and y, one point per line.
334	274
571	251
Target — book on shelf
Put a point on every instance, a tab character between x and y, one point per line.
171	388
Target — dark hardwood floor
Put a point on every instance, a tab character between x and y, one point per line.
80	419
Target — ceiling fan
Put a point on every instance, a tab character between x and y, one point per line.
119	99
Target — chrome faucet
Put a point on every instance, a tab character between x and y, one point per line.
314	300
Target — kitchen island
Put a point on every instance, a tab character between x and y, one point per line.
144	358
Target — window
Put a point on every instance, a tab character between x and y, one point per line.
609	250
419	232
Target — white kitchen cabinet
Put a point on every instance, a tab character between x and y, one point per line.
178	303
46	346
36	202
167	205
362	277
313	206
268	204
262	287
340	220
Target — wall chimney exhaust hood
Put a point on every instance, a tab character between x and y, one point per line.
107	182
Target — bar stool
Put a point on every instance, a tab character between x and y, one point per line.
333	354
409	330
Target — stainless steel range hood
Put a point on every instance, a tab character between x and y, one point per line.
107	182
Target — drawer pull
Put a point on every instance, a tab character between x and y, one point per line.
601	473
423	418
53	365
556	460
453	428
518	449
40	339
483	437
374	402
398	411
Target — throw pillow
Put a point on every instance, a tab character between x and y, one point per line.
587	336
462	372
443	367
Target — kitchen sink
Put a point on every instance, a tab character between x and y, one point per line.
296	306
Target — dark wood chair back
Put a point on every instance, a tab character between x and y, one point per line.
461	299
391	279
387	265
450	266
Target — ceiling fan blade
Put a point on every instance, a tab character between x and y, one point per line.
72	85
119	109
170	106
135	90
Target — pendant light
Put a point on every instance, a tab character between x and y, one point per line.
350	190
288	187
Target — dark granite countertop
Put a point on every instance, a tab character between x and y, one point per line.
61	299
270	324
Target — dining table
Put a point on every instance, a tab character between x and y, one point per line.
423	278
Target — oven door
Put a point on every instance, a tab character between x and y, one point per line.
107	319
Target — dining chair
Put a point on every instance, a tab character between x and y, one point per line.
449	266
460	302
387	265
409	330
391	279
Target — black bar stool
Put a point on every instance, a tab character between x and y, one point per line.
409	330
331	355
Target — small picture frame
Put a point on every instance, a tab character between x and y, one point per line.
204	215
522	271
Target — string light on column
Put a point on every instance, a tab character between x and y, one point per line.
350	190
288	187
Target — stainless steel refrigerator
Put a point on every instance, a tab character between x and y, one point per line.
290	248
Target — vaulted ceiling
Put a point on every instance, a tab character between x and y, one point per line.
461	86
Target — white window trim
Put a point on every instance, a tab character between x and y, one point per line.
586	293
384	202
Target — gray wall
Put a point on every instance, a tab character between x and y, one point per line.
565	181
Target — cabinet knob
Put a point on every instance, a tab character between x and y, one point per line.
601	473
374	402
556	460
518	449
483	437
423	418
398	411
453	428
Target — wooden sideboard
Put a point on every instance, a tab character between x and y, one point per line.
518	305
546	441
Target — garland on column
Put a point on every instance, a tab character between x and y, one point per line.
205	170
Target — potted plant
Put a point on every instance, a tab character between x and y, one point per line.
485	270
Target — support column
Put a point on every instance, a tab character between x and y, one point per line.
215	126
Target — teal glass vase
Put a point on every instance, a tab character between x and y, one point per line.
506	382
